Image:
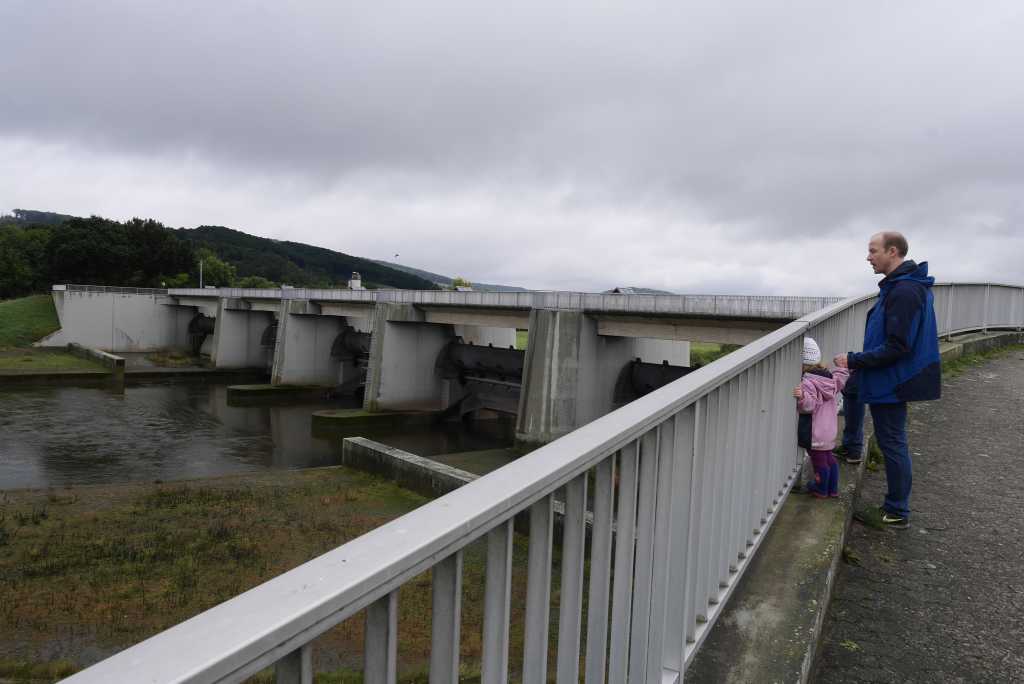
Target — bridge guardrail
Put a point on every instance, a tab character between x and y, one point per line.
754	306
657	465
106	289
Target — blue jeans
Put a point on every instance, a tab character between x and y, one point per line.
853	423
890	421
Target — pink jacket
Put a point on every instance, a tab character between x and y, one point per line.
820	401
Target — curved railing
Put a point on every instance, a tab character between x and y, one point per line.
689	478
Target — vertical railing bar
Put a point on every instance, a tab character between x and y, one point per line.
660	587
600	572
497	598
694	606
646	500
765	428
680	546
570	604
730	482
715	528
709	484
296	667
446	620
748	395
380	644
538	592
625	540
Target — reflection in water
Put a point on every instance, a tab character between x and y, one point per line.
55	436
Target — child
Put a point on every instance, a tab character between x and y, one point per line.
816	398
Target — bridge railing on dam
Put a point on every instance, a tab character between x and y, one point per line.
680	487
669	304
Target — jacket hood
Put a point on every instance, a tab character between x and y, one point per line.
909	270
823	384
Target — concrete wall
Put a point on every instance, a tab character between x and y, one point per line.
569	375
119	322
483	336
677	353
403	356
235	342
303	352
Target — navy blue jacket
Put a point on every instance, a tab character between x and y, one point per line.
900	361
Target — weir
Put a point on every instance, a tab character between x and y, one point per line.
581	362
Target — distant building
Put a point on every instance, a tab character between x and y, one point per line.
355	282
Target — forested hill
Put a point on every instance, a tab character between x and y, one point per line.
295	263
39	248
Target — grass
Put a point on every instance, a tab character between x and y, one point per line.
522	338
88	571
176	359
34	360
703	353
25	320
959	365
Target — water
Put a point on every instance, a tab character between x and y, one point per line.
58	436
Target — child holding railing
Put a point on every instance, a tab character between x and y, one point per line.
816	432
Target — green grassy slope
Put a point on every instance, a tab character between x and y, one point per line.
25	320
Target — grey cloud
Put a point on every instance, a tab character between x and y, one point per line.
754	120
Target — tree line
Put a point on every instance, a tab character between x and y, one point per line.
38	249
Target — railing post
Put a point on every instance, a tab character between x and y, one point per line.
622	589
497	598
296	667
380	646
446	620
600	571
538	593
985	317
570	602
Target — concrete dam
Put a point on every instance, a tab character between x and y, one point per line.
436	351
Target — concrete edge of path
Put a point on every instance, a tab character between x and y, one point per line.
770	630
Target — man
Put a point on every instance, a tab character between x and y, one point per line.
900	362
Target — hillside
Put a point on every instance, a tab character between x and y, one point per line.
295	263
446	281
39	248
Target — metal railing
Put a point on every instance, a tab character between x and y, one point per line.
689	477
753	306
106	289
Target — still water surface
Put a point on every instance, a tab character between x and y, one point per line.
58	436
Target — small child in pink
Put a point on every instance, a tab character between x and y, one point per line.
816	396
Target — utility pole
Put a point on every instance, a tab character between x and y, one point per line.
200	274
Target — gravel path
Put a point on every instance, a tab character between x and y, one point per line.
944	600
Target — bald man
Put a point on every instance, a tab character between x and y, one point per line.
900	362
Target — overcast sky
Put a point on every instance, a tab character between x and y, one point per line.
691	146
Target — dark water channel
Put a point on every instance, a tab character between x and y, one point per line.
58	436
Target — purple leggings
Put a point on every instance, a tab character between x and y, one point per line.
826	473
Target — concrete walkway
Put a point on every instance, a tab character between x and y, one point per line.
944	600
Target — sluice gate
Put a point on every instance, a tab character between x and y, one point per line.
352	349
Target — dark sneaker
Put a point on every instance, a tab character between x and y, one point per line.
880	519
871	517
848	456
895	522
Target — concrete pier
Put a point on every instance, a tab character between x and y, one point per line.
237	335
569	376
303	352
401	375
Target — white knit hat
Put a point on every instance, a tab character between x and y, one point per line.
812	354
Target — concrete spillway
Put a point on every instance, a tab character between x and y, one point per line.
388	343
